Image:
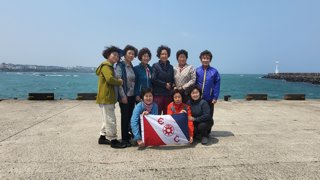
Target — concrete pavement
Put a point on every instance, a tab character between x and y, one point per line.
250	140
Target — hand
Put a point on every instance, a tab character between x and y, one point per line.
168	86
191	118
214	101
140	143
145	113
121	82
124	100
191	140
137	98
183	111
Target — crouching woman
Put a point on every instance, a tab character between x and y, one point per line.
201	116
145	107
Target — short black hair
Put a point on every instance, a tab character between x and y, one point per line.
130	47
182	51
162	47
177	91
193	88
108	50
142	52
145	91
206	52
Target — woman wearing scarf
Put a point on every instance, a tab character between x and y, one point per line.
145	107
143	73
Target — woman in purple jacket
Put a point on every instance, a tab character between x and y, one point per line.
208	80
162	79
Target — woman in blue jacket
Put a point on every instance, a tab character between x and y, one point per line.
208	80
143	73
145	107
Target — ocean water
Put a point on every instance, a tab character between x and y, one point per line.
67	85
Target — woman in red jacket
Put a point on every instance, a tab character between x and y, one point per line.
177	106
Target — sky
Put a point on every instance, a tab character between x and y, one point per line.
245	36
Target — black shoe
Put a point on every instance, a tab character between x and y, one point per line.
103	140
116	144
127	143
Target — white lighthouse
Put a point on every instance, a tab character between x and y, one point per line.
277	70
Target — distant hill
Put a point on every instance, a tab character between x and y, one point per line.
36	68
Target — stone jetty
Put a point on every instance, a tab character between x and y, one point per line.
313	78
250	140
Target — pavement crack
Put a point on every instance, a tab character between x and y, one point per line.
39	122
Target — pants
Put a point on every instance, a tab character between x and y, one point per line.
211	108
126	113
109	125
162	102
203	128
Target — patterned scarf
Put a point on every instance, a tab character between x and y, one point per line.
147	107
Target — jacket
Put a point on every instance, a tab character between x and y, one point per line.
162	73
174	108
142	81
135	119
106	84
121	72
211	86
200	110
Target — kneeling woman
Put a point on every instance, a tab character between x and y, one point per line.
145	107
177	106
200	110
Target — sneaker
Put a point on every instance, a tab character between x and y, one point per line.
103	140
117	144
204	140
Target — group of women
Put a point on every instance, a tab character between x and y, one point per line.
164	89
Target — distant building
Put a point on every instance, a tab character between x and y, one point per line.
277	69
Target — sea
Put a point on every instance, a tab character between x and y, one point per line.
66	85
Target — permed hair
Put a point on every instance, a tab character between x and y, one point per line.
130	47
206	52
142	52
182	51
162	47
108	50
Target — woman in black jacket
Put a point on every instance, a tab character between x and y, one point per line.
200	110
162	79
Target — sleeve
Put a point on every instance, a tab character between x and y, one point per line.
216	86
190	123
191	128
110	79
205	113
172	77
118	73
169	109
155	79
193	79
136	85
135	122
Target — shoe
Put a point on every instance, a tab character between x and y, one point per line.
204	140
103	140
127	143
117	144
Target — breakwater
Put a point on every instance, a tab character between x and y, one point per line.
313	78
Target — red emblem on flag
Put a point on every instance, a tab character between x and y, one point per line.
168	130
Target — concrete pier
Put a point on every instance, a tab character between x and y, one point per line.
250	140
313	78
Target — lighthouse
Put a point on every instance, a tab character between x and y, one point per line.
277	70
